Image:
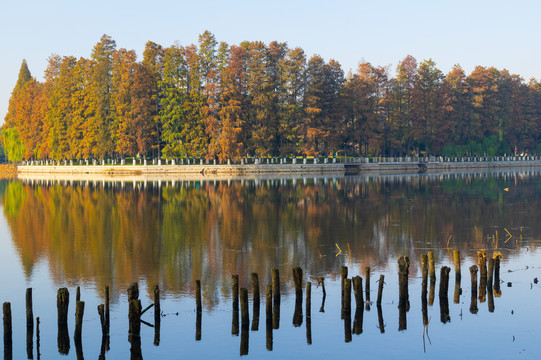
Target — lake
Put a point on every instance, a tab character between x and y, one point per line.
172	232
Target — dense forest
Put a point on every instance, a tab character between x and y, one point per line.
218	101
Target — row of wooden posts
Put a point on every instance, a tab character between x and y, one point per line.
489	284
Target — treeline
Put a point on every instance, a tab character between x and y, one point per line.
214	100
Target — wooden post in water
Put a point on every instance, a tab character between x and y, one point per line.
107	314
473	304
133	291
490	272
308	312
308	299
358	319
431	267
29	311
29	324
380	288
444	281
343	277
268	313
245	321
198	303
37	338
432	273
403	271
381	323
134	312
490	296
444	291
458	276
483	278
367	286
79	312
157	307
198	310
8	334
456	257
235	300
245	318
497	290
297	278
276	286
346	305
256	301
135	317
322	281
62	304
78	294
157	315
424	270
358	290
101	314
276	299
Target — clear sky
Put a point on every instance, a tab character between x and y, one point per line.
504	34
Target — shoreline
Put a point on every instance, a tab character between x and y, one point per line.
248	170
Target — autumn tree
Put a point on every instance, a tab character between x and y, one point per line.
233	104
123	129
428	100
97	133
401	107
293	81
364	95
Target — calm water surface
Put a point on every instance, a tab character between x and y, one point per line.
96	233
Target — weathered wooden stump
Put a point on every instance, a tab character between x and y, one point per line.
101	313
403	271
473	303
444	281
134	317
245	318
268	313
380	288
256	301
381	323
297	278
367	287
431	266
8	332
424	271
62	304
456	258
346	304
79	312
29	325
358	290
157	307
322	282
198	302
107	313
497	290
308	312
133	291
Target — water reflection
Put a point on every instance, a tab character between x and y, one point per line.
172	232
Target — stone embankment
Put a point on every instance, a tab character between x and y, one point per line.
352	166
298	169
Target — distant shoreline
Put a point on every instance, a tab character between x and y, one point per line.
352	168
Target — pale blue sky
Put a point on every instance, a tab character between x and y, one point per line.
504	34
